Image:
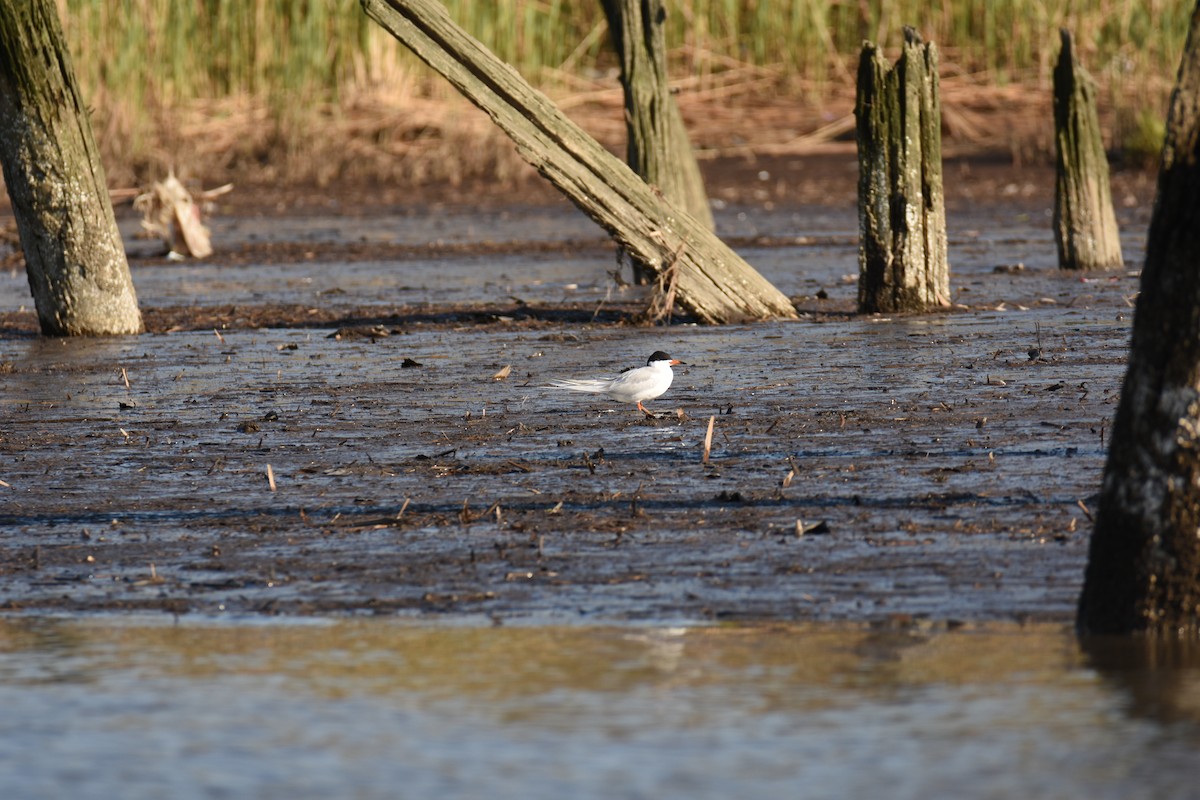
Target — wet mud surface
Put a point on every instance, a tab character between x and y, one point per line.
316	424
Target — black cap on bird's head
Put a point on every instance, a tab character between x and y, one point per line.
659	355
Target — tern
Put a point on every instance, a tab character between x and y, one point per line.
632	385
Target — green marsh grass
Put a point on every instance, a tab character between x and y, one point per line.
158	73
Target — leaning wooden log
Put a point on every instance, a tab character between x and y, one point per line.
74	257
659	149
1143	571
901	210
711	281
1085	227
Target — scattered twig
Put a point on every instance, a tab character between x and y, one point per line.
708	438
1086	511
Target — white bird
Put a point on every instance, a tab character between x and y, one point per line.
632	385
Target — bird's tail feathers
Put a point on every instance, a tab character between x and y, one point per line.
593	386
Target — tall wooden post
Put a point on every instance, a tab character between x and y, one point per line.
74	256
1085	227
901	208
1143	571
658	149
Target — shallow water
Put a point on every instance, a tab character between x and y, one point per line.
812	248
952	470
365	709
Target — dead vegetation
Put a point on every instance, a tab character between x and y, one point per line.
429	137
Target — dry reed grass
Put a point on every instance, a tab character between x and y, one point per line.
278	92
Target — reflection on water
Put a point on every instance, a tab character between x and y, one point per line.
379	709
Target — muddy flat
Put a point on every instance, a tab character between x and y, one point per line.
350	414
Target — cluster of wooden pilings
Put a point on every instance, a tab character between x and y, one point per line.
654	207
902	219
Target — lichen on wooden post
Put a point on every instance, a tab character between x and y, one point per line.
74	257
1085	226
901	209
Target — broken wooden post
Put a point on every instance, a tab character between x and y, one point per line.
74	257
658	147
1085	227
1143	571
901	211
711	281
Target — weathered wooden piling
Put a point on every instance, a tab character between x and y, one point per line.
901	209
658	147
1085	226
74	257
711	281
1143	571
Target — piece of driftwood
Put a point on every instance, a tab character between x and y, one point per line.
713	283
1085	226
170	213
901	211
74	257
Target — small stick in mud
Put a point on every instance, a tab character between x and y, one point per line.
1086	511
708	438
125	377
270	477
